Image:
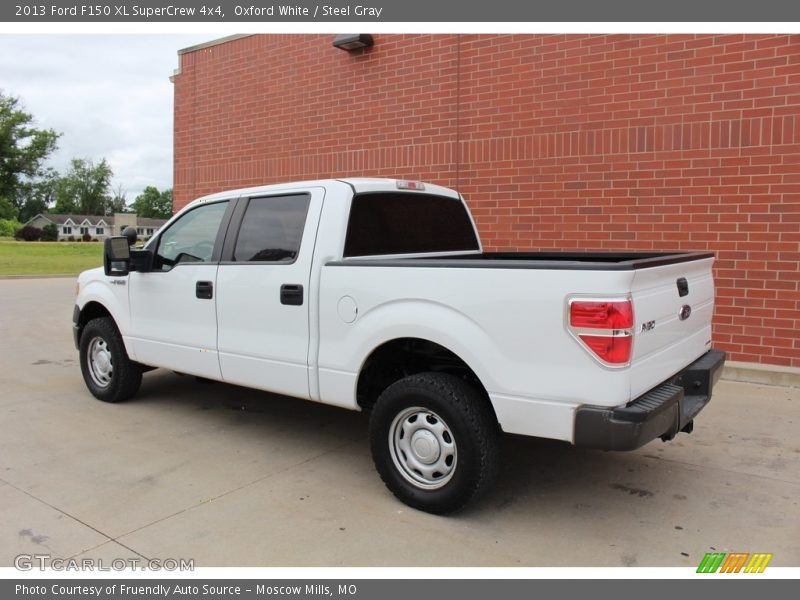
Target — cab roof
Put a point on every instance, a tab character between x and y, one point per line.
359	184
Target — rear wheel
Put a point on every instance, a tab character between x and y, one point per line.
434	440
107	371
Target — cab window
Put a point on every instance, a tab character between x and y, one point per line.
272	229
191	238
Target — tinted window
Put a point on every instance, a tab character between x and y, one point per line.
191	238
272	229
403	223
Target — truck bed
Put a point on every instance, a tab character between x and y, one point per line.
577	261
504	314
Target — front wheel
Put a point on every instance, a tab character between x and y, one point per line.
434	440
108	372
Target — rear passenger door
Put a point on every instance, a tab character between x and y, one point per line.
263	281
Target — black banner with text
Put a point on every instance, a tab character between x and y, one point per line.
212	11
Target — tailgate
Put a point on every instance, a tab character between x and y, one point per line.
672	307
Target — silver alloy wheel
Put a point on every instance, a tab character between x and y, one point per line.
423	448
101	366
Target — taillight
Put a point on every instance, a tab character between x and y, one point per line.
615	350
601	315
604	328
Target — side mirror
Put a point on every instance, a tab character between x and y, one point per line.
116	256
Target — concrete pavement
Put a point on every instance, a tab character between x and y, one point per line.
234	477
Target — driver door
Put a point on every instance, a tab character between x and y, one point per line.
173	306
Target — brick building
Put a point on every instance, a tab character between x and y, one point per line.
557	141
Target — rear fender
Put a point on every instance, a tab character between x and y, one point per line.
421	319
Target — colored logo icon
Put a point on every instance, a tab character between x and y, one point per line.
734	562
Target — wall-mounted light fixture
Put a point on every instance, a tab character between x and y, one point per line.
353	41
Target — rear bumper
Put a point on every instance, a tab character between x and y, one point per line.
662	412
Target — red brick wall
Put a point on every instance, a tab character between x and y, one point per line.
558	141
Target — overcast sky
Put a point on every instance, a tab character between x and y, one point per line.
110	97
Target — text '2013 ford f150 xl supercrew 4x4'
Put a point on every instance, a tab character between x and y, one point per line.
376	294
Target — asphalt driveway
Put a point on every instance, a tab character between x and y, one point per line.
233	477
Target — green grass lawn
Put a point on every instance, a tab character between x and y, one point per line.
48	258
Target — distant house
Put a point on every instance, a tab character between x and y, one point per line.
97	226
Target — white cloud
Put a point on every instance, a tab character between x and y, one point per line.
109	95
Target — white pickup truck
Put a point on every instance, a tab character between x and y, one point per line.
375	294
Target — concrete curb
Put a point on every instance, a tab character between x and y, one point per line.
763	374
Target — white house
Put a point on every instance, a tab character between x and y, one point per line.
97	226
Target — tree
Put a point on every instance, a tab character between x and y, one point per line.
39	194
7	209
153	204
50	233
84	189
28	233
8	227
119	199
23	149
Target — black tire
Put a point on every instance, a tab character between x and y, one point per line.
471	441
122	378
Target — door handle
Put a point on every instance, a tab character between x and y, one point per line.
683	287
204	290
292	294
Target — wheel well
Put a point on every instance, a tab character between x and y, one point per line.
402	357
92	310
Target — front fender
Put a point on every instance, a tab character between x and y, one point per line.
113	298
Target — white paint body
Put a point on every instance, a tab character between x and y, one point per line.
507	325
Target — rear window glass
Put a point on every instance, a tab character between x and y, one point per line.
406	223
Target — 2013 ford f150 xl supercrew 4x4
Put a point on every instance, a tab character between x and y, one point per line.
376	294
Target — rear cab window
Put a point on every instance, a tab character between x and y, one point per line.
272	229
385	223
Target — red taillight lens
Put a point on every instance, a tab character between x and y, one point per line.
612	349
605	328
601	315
